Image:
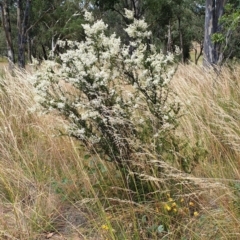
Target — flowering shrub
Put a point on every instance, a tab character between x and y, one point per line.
110	93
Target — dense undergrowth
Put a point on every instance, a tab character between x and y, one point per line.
50	183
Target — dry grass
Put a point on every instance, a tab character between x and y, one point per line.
50	187
212	117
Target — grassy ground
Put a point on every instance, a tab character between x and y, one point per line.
50	187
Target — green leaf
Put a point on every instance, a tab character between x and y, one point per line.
218	38
144	219
160	229
87	156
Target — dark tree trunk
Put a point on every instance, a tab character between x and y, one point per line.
212	51
44	52
181	38
169	38
29	48
22	22
7	29
138	11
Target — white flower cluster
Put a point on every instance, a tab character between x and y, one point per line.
138	29
95	28
129	14
89	87
88	16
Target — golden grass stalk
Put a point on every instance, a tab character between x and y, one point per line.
50	184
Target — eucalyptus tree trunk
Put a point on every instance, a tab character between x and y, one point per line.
212	51
29	48
138	11
180	38
22	23
169	38
7	30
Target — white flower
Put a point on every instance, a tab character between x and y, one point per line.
34	61
165	117
73	117
138	29
60	105
93	114
88	16
141	24
135	85
178	51
156	135
97	27
129	14
89	114
94	139
141	121
167	126
79	133
136	105
131	30
125	51
96	102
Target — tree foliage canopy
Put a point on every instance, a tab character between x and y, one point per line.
172	22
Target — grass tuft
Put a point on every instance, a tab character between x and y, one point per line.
51	187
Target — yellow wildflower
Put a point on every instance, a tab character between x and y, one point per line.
167	207
195	214
175	210
191	204
105	227
174	204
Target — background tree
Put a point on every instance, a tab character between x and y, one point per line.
196	29
230	31
171	21
212	49
137	6
59	22
32	27
23	21
5	17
